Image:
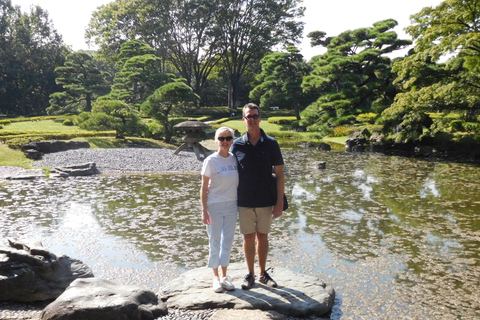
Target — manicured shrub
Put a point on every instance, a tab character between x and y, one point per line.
282	120
342	131
367	117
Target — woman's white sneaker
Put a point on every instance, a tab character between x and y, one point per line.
217	287
227	284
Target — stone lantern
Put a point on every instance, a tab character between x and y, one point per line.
194	134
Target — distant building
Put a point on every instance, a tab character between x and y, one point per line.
274	108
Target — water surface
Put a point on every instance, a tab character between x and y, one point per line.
396	237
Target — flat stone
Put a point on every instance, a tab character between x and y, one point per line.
100	299
26	174
297	295
246	315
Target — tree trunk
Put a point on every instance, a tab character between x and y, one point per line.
88	106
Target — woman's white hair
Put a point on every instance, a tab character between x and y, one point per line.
222	129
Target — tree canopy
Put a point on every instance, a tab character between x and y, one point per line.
281	80
82	81
353	76
30	49
195	34
443	72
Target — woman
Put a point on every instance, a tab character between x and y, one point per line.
219	206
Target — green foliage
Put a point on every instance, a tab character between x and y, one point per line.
342	131
282	120
457	125
366	117
353	76
82	81
68	122
215	112
281	80
140	74
448	30
169	100
472	127
155	130
112	115
16	140
30	49
195	36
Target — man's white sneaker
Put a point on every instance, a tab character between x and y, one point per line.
227	284
217	287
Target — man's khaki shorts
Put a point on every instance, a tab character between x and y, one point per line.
255	219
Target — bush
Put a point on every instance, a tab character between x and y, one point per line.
342	131
154	129
282	120
68	122
366	117
457	125
472	127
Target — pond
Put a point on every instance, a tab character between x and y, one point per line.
396	237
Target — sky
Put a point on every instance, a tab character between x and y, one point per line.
71	18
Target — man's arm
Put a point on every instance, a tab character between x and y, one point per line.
278	208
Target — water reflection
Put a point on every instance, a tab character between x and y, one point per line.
396	237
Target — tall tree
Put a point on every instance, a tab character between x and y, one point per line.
447	33
30	49
83	83
250	28
353	76
281	80
182	32
195	34
140	74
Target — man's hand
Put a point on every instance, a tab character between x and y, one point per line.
277	210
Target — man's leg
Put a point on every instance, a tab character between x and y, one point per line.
262	251
249	251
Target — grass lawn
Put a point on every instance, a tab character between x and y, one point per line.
43	125
10	157
242	128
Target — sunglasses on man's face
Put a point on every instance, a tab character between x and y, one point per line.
229	138
255	117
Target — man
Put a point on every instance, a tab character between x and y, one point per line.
257	154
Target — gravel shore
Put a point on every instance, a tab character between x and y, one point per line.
141	160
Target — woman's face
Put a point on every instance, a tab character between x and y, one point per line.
224	140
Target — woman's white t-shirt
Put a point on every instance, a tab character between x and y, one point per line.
223	176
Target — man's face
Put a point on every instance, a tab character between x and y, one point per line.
251	118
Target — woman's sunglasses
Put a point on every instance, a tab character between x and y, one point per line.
229	138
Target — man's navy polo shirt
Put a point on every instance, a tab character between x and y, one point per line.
255	170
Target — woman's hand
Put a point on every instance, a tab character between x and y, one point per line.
205	217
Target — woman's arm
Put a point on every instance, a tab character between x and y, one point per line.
203	199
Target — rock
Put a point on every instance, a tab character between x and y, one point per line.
246	315
83	169
100	299
26	174
324	146
297	294
355	145
29	272
320	165
54	146
309	144
376	138
33	154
